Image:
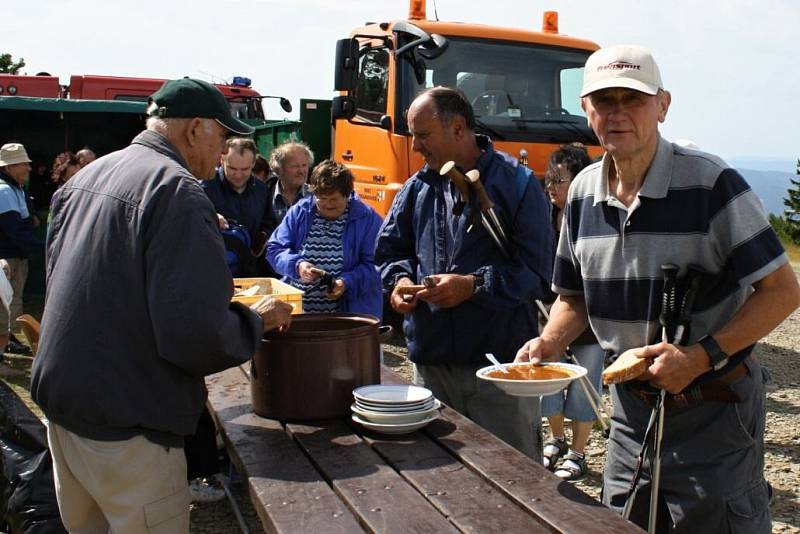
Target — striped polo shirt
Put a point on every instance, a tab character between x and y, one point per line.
692	210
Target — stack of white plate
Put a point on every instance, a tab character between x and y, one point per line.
394	409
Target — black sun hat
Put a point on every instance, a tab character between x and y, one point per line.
188	98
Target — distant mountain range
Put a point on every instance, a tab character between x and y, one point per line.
771	187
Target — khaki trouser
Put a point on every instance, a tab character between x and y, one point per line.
18	274
129	486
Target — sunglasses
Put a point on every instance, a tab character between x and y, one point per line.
550	182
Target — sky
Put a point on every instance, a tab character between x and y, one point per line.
731	65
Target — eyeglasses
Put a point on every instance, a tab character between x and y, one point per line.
550	182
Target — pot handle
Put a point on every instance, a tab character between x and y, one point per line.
384	333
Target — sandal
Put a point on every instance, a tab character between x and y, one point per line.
573	467
554	449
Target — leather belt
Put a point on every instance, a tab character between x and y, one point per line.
716	390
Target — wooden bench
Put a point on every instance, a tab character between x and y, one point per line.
451	476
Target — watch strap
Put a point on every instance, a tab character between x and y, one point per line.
478	281
718	356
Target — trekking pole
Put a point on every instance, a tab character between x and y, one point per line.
667	320
591	395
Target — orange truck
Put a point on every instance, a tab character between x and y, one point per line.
524	86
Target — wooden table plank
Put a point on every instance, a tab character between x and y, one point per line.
558	504
376	493
288	494
470	502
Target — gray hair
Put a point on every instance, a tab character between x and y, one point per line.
278	155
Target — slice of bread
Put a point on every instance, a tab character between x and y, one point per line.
627	367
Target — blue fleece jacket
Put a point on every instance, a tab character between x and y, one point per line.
361	279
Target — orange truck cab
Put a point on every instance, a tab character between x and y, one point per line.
524	86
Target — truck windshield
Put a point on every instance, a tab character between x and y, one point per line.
246	108
520	92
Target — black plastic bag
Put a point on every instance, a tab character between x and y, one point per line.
27	492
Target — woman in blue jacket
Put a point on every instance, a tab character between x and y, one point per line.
331	231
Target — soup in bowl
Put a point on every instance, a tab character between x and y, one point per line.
529	380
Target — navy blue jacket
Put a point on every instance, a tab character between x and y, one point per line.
414	242
247	208
362	283
16	229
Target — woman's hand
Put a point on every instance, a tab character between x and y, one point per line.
338	290
307	272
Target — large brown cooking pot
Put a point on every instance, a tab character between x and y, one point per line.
310	371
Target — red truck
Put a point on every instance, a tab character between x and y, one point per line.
101	112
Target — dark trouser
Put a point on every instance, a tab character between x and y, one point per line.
712	461
201	449
515	420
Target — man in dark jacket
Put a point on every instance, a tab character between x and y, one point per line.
240	198
138	311
482	301
17	241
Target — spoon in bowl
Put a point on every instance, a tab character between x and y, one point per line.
497	365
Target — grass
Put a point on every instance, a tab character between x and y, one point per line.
19	379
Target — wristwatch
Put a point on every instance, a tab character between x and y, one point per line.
718	357
477	281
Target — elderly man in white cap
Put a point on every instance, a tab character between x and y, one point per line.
17	241
138	311
650	203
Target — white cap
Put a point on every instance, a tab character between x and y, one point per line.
628	66
13	153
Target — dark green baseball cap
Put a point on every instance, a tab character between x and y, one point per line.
188	98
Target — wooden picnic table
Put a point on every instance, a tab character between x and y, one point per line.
336	476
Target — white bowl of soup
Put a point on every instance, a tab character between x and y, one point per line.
524	379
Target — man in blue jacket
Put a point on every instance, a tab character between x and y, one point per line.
482	301
17	241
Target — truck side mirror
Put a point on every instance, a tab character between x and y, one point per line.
386	123
343	107
346	70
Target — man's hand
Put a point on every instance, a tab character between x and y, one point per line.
538	350
403	303
222	222
450	290
673	367
274	313
338	290
307	272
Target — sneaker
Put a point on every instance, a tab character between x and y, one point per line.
15	346
203	490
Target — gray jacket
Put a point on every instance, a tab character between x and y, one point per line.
138	300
